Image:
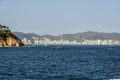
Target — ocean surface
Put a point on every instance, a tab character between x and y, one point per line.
60	62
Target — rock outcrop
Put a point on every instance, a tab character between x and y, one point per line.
8	39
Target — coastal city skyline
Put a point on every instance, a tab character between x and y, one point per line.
60	17
86	38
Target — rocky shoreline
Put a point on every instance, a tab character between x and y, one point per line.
8	39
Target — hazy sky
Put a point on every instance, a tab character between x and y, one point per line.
60	16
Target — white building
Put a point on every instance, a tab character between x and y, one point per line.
26	41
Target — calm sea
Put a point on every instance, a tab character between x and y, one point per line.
60	63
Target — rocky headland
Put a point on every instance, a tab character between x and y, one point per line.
8	39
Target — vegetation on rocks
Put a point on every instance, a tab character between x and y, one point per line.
7	38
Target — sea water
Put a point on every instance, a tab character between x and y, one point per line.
63	62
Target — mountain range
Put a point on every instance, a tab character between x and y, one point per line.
89	35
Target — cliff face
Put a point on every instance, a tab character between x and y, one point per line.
9	39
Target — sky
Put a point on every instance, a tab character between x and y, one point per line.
56	17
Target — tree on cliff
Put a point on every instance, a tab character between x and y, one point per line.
3	27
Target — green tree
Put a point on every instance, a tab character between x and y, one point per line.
4	27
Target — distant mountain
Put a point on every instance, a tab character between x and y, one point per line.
26	35
76	36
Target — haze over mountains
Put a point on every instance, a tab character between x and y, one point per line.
90	35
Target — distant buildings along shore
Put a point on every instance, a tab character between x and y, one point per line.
43	41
